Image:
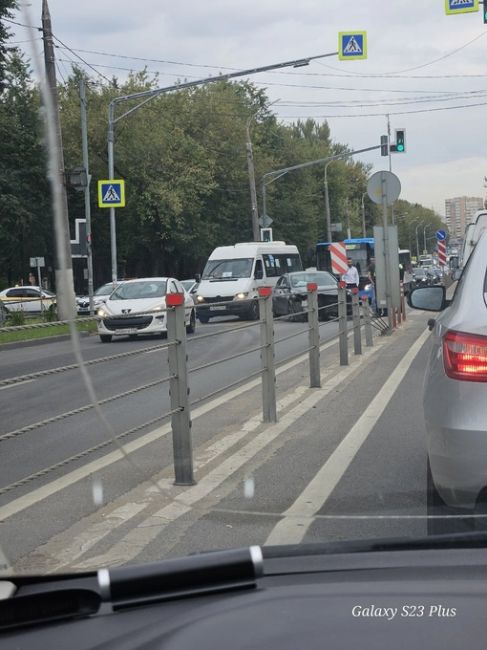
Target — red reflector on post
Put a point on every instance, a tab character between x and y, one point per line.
265	292
465	356
342	284
312	286
174	299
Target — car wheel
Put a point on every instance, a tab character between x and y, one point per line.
292	310
106	338
254	312
191	327
203	319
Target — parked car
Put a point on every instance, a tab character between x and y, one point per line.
420	277
29	299
455	385
83	302
290	294
138	307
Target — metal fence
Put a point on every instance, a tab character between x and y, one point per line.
178	347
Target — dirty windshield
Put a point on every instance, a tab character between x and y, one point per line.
297	164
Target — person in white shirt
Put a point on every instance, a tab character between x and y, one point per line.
351	277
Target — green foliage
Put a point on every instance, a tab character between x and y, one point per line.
16	318
184	158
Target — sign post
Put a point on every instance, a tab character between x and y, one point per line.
111	194
385	187
38	262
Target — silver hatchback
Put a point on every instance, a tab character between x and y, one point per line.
455	385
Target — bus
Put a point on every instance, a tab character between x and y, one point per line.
361	250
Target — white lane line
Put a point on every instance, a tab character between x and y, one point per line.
298	518
20	383
134	542
60	553
31	498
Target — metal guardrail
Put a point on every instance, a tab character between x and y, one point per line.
179	372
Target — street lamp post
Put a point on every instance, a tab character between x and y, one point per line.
364	229
424	238
147	95
417	239
277	173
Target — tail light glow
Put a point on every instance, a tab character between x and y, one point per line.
465	356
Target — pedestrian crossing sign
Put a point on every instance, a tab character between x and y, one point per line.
460	6
111	194
352	45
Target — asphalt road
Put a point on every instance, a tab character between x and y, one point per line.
22	405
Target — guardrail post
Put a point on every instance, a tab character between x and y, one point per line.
403	303
314	336
342	323
369	341
178	391
269	408
357	335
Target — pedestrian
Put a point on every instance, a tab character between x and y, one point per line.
351	277
372	280
32	279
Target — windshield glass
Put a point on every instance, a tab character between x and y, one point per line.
153	423
223	269
105	290
140	290
321	279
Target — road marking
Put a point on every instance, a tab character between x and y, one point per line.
59	553
134	542
39	494
298	518
20	383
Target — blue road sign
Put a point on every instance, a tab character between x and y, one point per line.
111	194
352	45
440	235
460	6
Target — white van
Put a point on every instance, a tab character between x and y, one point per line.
233	275
472	235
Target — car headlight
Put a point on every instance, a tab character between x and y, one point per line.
102	313
242	295
200	299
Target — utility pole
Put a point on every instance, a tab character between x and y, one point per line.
84	141
64	284
364	229
253	191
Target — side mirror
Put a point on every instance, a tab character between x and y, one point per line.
428	298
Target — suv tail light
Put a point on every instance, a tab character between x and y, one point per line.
465	356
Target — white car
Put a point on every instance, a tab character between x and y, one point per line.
145	298
27	298
83	302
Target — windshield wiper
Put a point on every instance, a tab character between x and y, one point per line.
188	576
130	586
449	541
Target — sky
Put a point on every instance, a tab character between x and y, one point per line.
418	60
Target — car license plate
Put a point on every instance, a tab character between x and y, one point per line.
127	331
218	308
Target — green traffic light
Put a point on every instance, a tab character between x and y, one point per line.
400	147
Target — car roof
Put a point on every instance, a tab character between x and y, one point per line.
158	279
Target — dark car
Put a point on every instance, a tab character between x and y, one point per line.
290	294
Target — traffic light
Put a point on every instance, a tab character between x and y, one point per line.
400	140
484	11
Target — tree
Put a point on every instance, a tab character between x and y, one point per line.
6	11
25	215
